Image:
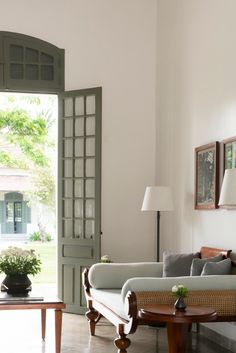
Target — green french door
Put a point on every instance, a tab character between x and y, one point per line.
79	191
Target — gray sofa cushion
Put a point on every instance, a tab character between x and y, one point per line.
176	265
193	283
114	275
198	264
217	268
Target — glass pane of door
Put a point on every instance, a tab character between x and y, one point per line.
10	212
18	211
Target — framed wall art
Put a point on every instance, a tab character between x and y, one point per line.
229	153
207	176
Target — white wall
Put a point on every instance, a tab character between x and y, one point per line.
110	44
196	105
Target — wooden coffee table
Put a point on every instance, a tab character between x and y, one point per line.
8	302
177	322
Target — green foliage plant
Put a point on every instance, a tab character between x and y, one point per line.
48	237
17	261
105	259
179	290
37	236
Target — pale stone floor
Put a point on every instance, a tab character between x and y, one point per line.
21	333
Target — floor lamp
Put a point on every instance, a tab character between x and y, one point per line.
228	189
158	198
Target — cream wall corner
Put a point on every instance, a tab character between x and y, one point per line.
196	105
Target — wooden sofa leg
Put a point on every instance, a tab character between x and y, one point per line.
93	317
122	343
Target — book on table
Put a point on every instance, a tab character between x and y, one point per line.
19	298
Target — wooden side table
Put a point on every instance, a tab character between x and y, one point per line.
177	322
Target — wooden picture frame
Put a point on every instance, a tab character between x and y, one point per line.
229	153
207	176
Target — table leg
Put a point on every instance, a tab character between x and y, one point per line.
43	323
58	324
177	337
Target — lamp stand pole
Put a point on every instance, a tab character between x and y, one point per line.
158	236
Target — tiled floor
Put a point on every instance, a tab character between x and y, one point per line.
21	333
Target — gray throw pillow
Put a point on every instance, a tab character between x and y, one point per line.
217	268
198	264
176	265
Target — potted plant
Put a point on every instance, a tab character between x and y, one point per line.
17	264
180	291
105	259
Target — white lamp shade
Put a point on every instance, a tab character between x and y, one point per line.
157	198
228	189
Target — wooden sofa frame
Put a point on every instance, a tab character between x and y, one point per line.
125	327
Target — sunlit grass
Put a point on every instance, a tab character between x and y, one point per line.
48	256
47	252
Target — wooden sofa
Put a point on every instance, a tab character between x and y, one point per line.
108	302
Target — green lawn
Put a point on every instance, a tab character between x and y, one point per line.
47	252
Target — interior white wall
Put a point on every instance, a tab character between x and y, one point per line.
196	106
110	44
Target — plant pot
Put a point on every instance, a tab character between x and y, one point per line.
17	284
180	304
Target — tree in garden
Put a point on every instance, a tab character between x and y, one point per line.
29	131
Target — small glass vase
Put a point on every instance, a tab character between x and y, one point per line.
180	304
